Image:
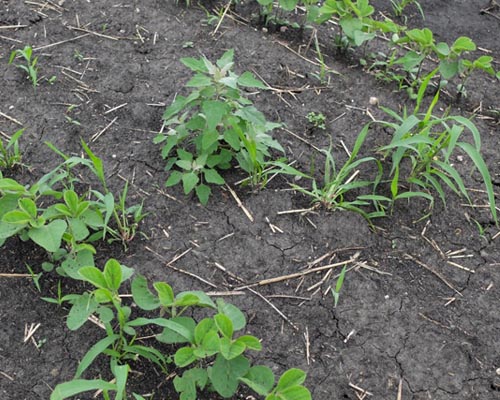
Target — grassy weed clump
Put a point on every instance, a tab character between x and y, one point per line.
10	154
421	149
214	125
209	352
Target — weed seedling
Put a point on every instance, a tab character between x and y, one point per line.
213	126
317	120
30	64
10	155
338	286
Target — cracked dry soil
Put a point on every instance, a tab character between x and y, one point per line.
410	325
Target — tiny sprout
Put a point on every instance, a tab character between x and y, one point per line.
317	120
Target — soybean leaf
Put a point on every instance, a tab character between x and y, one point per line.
260	379
49	236
225	374
142	295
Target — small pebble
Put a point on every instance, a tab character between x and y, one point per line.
374	101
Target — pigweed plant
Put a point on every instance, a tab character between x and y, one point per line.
10	155
28	63
421	151
208	353
214	125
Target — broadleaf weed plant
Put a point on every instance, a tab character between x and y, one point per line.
421	149
208	352
30	65
214	125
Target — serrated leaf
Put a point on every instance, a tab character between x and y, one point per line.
212	176
189	181
195	64
226	59
199	80
247	79
174	178
203	192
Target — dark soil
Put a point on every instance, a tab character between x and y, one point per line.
407	319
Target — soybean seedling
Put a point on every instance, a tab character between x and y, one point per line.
30	64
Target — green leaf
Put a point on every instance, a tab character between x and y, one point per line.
199	80
260	379
113	274
250	342
121	374
226	59
292	377
166	323
203	192
202	299
448	68
49	236
288	5
28	206
224	325
214	111
295	393
252	115
82	308
170	336
202	328
165	293
190	380
184	356
174	178
225	374
485	174
234	313
247	79
94	276
142	295
208	139
17	217
68	389
463	43
189	181
212	176
231	350
93	352
194	64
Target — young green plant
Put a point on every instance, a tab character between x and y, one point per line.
30	63
214	125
